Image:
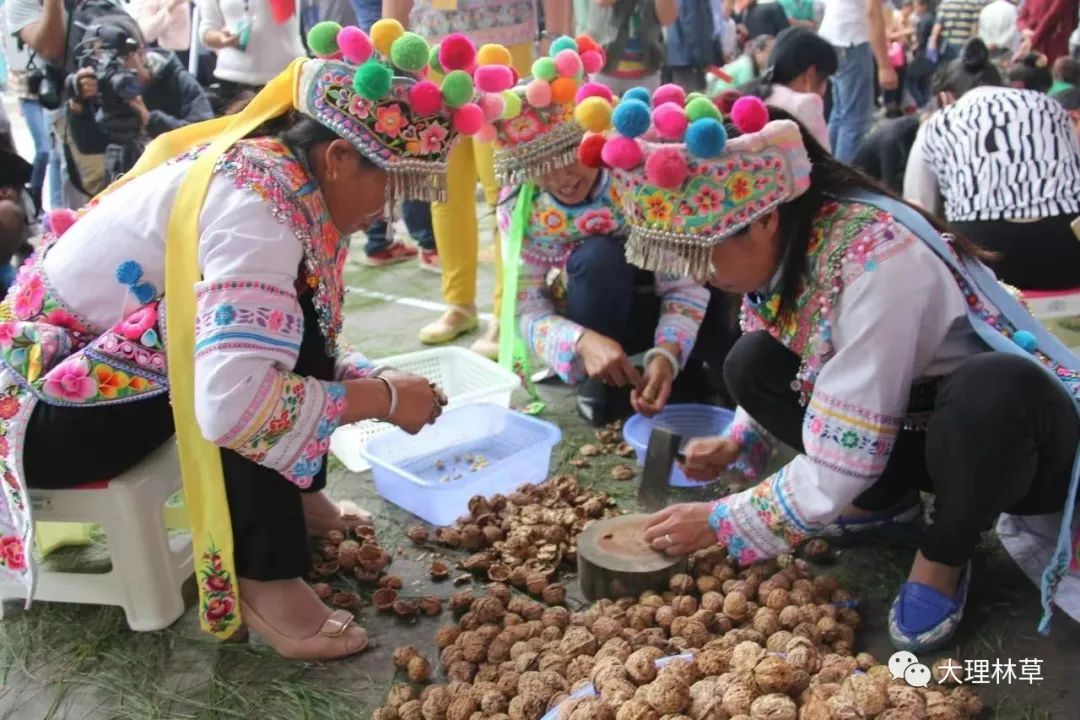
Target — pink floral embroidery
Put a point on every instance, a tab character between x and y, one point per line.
358	107
71	381
29	297
275	320
8	331
432	139
596	222
389	120
523	128
135	325
12	553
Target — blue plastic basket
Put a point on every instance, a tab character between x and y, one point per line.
429	473
689	421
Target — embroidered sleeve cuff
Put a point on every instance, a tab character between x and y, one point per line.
682	311
555	339
352	365
758	523
755	444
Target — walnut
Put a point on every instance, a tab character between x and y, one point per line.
712	601
403	654
825	586
778	641
462	670
966	700
578	641
745	656
579	668
944	711
865	661
489	609
707	583
473	650
508	682
636	709
436	703
419	669
805	658
616	692
606	670
385	713
778	599
735	606
461	708
681	584
592	709
835	668
554	594
685	670
808	630
493	702
684	605
819	692
870	697
665	615
667	694
399	695
881	673
460	602
827	627
526	707
446	636
767	621
773	707
696	634
906	698
451	655
815	710
898	714
501	591
737	699
790	616
606	628
411	710
776	675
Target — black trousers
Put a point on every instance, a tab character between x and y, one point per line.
1001	438
69	446
1041	255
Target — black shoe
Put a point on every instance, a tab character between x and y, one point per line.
600	404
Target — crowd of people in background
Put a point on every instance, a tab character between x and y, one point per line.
900	89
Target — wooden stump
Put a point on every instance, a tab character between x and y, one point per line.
615	561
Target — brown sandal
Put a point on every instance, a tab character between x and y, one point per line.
333	640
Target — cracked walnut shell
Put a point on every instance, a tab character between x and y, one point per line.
773	707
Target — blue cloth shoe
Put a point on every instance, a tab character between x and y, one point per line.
922	619
902	522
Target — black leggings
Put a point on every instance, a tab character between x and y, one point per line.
1040	255
1001	438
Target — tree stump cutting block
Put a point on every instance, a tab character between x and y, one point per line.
614	560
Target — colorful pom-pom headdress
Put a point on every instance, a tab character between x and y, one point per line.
534	122
375	92
687	187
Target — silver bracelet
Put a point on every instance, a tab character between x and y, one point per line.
667	355
393	399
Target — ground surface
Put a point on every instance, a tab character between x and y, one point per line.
77	662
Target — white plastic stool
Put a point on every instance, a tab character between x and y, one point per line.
1048	305
148	568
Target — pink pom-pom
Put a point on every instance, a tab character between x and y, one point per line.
592	61
621	152
670	121
487	133
468	119
355	45
592	89
493	78
670	93
472	67
456	52
59	221
568	63
538	93
666	168
425	98
493	106
749	114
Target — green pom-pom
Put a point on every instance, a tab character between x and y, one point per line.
563	43
701	107
544	69
409	52
372	80
433	60
511	105
693	95
322	39
457	88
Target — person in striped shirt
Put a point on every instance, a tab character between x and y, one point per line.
957	22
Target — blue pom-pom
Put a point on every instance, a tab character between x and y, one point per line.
638	93
144	292
706	138
631	118
1025	340
129	272
562	43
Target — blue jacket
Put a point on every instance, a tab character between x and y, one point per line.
690	40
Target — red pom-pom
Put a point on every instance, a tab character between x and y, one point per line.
493	78
670	93
468	119
60	220
749	114
586	44
621	152
592	61
425	98
590	151
670	121
592	89
726	100
456	52
666	168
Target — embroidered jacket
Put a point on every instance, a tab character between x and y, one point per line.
877	312
554	231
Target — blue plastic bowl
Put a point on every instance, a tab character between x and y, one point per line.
689	421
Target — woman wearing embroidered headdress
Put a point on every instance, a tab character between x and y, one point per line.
877	345
561	214
214	312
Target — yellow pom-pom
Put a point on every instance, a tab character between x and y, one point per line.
384	33
593	114
493	54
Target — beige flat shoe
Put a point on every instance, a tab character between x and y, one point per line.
488	345
455	322
337	638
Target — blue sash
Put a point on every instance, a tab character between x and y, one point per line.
1063	365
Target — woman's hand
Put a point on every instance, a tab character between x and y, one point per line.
221	38
681	529
656	389
606	360
419	403
706	458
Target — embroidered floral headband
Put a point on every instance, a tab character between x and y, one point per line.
685	186
380	93
534	129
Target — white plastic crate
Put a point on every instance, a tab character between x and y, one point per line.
464	376
434	473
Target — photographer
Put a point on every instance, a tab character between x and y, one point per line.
125	98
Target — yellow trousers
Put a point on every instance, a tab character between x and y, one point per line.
457	234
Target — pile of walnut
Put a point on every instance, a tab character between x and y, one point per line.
522	538
768	643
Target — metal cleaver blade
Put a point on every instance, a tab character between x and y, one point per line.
659	457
